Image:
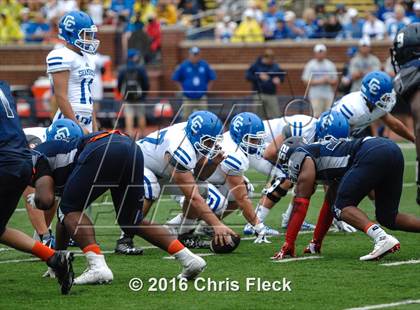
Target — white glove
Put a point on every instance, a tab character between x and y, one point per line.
343	226
31	200
260	230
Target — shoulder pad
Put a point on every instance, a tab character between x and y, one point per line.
235	164
295	164
59	60
183	153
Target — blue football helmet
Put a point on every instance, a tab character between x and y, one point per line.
247	131
204	131
332	123
77	28
63	129
377	90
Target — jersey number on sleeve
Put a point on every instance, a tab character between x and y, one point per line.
6	105
83	90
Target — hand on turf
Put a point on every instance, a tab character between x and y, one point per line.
222	235
286	251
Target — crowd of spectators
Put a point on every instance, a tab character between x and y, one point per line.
267	20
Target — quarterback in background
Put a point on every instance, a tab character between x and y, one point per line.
71	69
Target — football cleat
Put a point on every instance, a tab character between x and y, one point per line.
204	230
286	251
125	246
313	248
383	246
305	226
61	263
97	271
49	273
73	243
192	267
193	241
249	230
343	226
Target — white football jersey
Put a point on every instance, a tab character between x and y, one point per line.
236	162
354	108
301	125
172	140
82	74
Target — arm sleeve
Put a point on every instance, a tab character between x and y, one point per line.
250	74
211	73
144	80
177	75
41	168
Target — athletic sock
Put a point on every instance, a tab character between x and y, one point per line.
262	212
286	215
92	248
176	221
374	231
187	225
175	246
325	219
42	251
300	208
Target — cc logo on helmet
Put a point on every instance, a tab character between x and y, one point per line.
374	86
327	121
62	133
196	124
237	123
68	23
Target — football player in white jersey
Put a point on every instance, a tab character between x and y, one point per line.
41	220
170	157
71	69
229	189
374	101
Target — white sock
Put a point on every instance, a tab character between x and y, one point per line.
184	256
262	212
187	225
375	232
286	215
176	221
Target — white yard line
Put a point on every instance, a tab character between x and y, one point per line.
33	259
404	262
390	305
287	260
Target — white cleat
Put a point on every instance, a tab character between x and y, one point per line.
97	271
192	267
383	246
95	276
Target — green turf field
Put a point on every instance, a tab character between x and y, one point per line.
337	280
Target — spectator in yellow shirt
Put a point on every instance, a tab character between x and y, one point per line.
11	8
249	29
145	9
9	30
166	12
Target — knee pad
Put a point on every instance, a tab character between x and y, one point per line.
216	201
275	192
151	185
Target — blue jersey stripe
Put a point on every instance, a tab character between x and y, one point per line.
294	129
344	113
185	153
177	154
218	199
52	58
234	159
54	63
300	128
231	164
149	188
348	110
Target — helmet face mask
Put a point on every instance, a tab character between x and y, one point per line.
209	146
386	102
87	41
253	144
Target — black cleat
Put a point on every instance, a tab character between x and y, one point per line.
61	263
125	246
193	241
